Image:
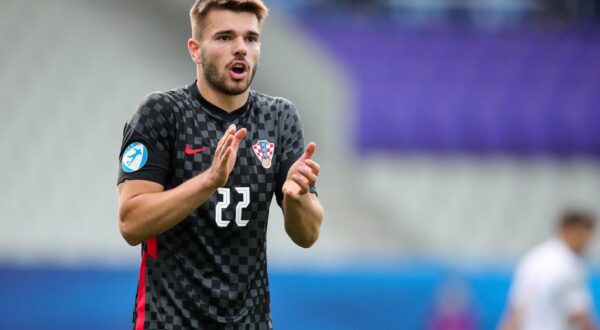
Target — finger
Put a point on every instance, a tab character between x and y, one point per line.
223	140
219	149
238	136
293	195
314	166
228	131
224	147
310	150
228	142
226	156
302	182
241	133
219	144
292	190
309	175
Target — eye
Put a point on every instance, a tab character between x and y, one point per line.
252	39
223	38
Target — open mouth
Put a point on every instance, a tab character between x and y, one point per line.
238	70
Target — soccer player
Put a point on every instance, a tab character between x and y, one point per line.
199	167
549	290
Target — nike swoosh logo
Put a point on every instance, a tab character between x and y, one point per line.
190	151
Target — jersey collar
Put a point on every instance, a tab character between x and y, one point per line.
216	112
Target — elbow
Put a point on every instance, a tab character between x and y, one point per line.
128	233
307	240
306	243
133	241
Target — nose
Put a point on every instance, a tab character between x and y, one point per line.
240	47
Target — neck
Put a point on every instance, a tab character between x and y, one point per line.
570	242
226	102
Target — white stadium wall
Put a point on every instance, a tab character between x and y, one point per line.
73	72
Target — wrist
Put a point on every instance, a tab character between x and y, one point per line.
213	180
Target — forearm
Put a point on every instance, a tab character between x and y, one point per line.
303	218
583	321
509	323
149	214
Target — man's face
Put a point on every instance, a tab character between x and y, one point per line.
582	238
230	50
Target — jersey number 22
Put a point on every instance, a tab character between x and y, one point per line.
245	192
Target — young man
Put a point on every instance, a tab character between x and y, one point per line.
549	290
199	167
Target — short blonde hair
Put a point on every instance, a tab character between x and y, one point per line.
201	8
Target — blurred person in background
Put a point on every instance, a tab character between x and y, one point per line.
549	289
199	167
453	307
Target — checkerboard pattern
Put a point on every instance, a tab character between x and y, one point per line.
206	276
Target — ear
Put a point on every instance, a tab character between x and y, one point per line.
194	49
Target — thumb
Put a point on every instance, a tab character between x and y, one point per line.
241	133
238	136
310	150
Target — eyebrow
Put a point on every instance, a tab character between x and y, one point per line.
249	33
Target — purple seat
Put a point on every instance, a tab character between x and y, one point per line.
528	92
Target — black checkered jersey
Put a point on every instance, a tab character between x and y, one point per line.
210	270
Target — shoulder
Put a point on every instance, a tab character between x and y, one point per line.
536	256
273	103
161	99
160	105
550	258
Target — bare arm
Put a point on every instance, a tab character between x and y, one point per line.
302	210
583	321
146	209
511	320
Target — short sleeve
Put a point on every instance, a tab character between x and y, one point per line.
147	142
291	134
291	145
520	288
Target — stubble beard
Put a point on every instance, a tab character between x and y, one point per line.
219	81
